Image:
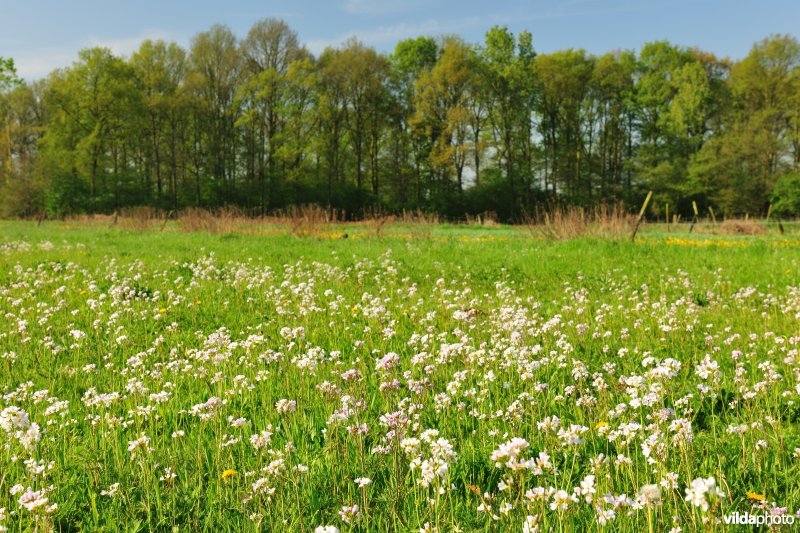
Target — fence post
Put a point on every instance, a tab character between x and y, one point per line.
641	215
695	218
166	219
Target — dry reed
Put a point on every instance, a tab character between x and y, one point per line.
571	222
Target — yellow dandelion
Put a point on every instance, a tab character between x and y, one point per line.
162	310
756	496
601	424
197	302
227	474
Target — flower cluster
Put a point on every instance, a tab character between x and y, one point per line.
15	422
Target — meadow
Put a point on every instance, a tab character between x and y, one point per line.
445	379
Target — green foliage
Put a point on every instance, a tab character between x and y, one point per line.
442	113
738	168
261	123
786	195
564	78
413	56
8	74
22	187
67	194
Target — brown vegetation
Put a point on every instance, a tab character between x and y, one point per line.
573	222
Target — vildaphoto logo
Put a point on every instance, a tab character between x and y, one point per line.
744	519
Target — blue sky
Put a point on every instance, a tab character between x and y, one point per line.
45	34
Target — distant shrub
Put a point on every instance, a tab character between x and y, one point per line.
742	227
786	195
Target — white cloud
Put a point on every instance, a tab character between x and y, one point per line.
590	8
39	62
379	7
127	45
390	34
396	32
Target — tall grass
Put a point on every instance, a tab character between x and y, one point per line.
571	222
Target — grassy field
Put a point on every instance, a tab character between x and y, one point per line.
459	379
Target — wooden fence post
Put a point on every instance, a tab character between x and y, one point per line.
166	219
695	218
641	215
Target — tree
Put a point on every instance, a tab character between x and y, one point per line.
442	112
510	89
786	195
364	77
564	80
22	184
756	143
160	69
298	142
332	111
611	91
8	80
270	48
213	79
659	159
8	74
440	125
94	105
410	147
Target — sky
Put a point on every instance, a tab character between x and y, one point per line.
42	35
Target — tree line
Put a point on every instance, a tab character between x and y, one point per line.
438	125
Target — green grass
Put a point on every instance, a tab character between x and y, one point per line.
494	333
